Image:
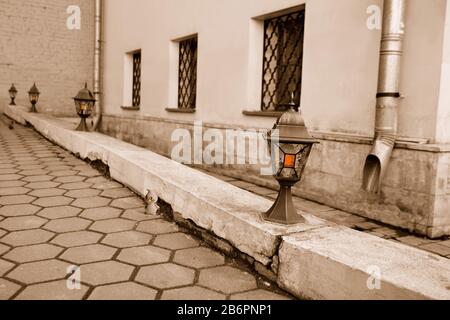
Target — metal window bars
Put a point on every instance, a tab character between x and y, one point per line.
136	97
187	76
282	66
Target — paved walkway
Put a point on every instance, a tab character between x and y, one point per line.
57	214
439	246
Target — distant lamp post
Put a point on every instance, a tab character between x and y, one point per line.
12	94
293	142
84	103
34	97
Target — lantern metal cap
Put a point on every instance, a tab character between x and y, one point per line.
34	90
13	89
291	128
85	94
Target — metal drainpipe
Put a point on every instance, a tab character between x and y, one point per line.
97	63
388	96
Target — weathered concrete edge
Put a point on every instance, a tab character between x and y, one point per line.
340	263
301	255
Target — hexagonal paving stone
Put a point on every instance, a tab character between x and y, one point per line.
10	177
8	289
53	201
23	238
227	279
127	239
117	193
123	291
144	255
88	173
166	275
59	212
33	253
57	166
22	223
47	192
112	225
31	167
13	191
75	239
128	203
5	266
18	210
75	185
192	293
107	185
8	171
69	179
35	272
105	272
175	241
63	173
12	184
67	225
7	166
103	213
91	202
138	215
55	290
157	227
35	172
88	254
83	193
199	257
17	199
38	178
98	180
42	185
258	294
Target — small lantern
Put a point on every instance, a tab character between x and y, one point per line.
34	97
84	103
12	94
290	145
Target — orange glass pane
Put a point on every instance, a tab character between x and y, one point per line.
289	160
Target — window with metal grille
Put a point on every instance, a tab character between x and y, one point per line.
136	96
187	76
282	66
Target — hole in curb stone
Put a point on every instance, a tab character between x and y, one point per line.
101	167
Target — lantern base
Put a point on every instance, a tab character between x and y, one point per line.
12	103
283	210
33	108
82	126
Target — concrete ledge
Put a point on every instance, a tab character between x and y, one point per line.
337	263
316	260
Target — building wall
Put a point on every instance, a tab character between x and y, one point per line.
341	54
339	84
36	45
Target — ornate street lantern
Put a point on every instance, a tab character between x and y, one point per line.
12	94
290	145
84	103
34	97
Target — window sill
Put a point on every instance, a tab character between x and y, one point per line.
130	108
271	114
178	110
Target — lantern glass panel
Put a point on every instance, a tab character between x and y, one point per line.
34	97
84	107
289	160
12	94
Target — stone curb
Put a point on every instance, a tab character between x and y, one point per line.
317	260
